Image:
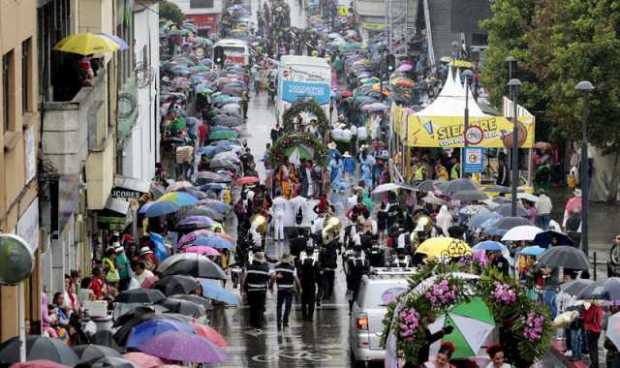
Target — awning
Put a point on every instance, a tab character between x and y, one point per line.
117	205
126	187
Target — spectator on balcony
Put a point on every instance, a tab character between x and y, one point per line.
87	72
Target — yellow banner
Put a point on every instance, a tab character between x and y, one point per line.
373	26
447	131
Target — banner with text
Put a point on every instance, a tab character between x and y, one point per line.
294	90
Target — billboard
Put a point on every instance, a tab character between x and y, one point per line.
294	90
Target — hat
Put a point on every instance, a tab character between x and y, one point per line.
145	251
577	192
331	145
287	258
346	154
259	256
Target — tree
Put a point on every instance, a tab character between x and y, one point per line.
171	11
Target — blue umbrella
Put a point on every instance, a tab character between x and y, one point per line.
212	290
219	206
156	209
213	242
488	224
478	220
154	327
533	250
490	246
119	41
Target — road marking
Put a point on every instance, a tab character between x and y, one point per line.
302	355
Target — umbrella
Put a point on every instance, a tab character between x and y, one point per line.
490	246
184	347
404	67
297	153
146	296
476	221
426	185
177	284
473	209
506	210
191	237
105	338
223	134
613	329
204	177
213	241
107	362
503	225
469	196
496	189
210	334
37	348
564	256
184	307
215	204
179	185
214	291
528	197
206	211
533	251
456	185
433	199
181	199
119	41
196	299
90	352
575	287
86	44
156	209
191	264
39	363
389	187
608	289
195	223
146	330
525	232
550	238
472	323
444	247
143	360
202	249
247	180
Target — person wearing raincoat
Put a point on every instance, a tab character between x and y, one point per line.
335	170
444	220
349	165
366	175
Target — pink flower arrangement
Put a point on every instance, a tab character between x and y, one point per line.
409	322
504	293
441	293
534	327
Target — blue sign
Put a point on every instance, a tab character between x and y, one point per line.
473	159
293	90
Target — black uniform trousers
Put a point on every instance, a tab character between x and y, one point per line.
308	298
285	299
256	301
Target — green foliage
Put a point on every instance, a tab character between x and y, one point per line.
171	11
278	154
310	106
558	43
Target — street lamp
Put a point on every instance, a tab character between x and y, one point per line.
514	85
512	62
468	74
585	88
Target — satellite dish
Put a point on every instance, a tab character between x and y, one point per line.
16	259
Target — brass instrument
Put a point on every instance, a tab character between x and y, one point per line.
331	229
423	224
259	224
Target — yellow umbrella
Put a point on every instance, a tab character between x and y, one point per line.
86	44
461	63
444	247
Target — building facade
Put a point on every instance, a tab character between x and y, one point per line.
19	136
205	14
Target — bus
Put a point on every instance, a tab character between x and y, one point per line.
235	51
303	77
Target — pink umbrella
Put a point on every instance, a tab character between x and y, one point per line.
210	334
405	67
183	347
149	282
202	249
144	360
188	238
573	205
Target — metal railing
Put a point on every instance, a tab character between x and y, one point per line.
429	36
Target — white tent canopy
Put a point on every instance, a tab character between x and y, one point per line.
451	100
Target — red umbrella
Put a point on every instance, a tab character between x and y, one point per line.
210	334
247	180
202	249
40	363
144	360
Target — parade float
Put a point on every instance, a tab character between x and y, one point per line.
483	307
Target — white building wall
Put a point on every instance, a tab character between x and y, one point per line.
184	5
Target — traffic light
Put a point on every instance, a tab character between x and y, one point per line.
218	55
390	61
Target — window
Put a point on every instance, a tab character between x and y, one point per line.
7	90
200	4
26	65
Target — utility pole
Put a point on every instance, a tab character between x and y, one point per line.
585	88
514	85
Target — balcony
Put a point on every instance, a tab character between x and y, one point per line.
73	128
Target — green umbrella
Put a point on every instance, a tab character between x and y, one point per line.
297	153
203	41
223	134
199	68
177	124
472	323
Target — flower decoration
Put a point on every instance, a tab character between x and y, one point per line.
305	105
503	293
442	293
533	329
410	321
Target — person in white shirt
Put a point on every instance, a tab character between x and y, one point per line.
496	353
278	209
141	273
543	210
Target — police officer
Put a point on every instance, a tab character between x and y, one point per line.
309	278
255	286
284	277
328	257
357	266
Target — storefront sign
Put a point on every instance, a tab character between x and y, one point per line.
126	188
28	225
473	159
448	131
292	91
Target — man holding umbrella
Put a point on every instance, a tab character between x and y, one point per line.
255	287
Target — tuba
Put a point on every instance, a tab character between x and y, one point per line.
424	227
331	229
259	223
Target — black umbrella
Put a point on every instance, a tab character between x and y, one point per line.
177	284
183	307
550	237
456	185
426	185
469	196
38	348
192	264
507	223
506	210
140	295
206	303
576	286
564	256
608	289
107	362
90	352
